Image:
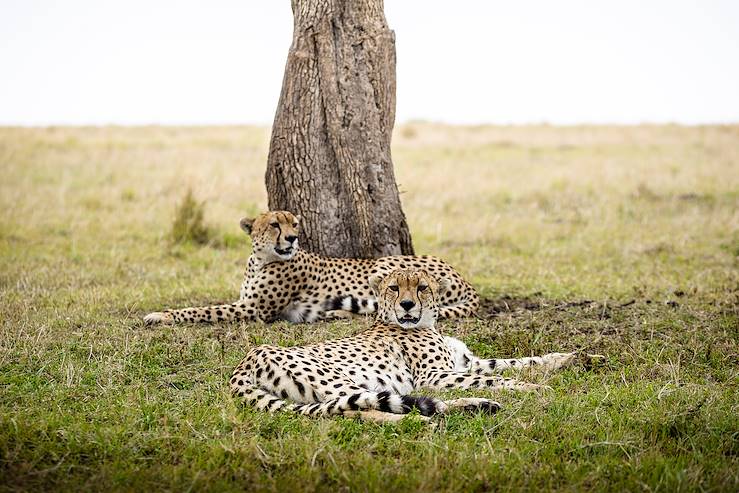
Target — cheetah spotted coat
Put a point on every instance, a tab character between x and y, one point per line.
283	282
374	371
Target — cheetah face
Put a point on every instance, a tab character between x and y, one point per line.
274	235
408	298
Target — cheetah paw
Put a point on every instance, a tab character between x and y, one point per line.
164	318
383	417
332	315
590	361
472	404
555	361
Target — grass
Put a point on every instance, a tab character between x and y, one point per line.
621	240
188	224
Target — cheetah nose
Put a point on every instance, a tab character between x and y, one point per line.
407	304
291	238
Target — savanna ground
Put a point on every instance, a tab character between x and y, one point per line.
622	241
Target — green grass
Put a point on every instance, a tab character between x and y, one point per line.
620	240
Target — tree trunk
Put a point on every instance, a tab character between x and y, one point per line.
329	157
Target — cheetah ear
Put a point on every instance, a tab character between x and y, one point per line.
298	218
374	282
444	284
246	224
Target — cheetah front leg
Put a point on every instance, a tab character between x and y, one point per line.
242	310
445	380
464	360
548	362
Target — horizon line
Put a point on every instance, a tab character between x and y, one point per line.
412	121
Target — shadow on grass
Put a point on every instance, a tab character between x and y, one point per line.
494	307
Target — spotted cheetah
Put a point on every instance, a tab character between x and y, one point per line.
284	282
372	374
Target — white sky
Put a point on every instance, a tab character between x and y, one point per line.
464	61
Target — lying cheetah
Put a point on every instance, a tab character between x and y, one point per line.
371	374
284	282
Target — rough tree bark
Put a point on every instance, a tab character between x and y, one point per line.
329	157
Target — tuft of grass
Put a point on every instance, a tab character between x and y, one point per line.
189	224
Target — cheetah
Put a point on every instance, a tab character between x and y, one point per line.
371	374
283	282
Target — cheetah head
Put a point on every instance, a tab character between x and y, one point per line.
408	298
274	235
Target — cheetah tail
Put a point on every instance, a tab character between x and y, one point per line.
259	398
381	401
362	306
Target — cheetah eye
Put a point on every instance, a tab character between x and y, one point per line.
394	288
422	287
295	225
275	225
